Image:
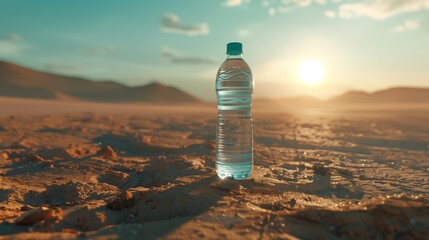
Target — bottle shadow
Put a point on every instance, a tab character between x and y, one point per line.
157	212
173	187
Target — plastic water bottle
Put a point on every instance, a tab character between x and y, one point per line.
234	132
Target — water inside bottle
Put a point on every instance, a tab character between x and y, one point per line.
234	138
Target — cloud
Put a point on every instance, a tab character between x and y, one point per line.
9	48
376	9
13	37
407	25
12	45
235	3
303	3
176	57
322	2
100	50
381	9
284	6
265	3
172	23
243	33
330	14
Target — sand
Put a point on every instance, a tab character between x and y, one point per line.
83	170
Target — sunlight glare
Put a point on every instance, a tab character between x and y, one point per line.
311	71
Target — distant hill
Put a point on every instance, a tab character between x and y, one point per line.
351	96
402	95
18	81
391	95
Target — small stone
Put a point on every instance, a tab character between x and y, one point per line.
321	170
267	175
37	215
292	202
71	231
115	178
4	156
36	158
210	145
123	200
107	152
87	219
26	208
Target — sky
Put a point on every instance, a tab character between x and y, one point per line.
362	44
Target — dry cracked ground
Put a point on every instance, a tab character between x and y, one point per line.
350	175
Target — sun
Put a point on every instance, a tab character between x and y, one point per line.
311	71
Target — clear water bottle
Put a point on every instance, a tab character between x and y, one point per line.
234	131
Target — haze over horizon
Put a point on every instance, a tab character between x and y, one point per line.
362	45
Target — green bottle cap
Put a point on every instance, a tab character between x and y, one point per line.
234	48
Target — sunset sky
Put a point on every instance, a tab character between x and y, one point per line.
362	45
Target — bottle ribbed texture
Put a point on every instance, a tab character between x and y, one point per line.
234	133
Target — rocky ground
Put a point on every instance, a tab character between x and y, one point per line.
348	175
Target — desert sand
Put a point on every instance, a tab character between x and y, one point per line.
103	171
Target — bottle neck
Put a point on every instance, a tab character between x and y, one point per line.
239	56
